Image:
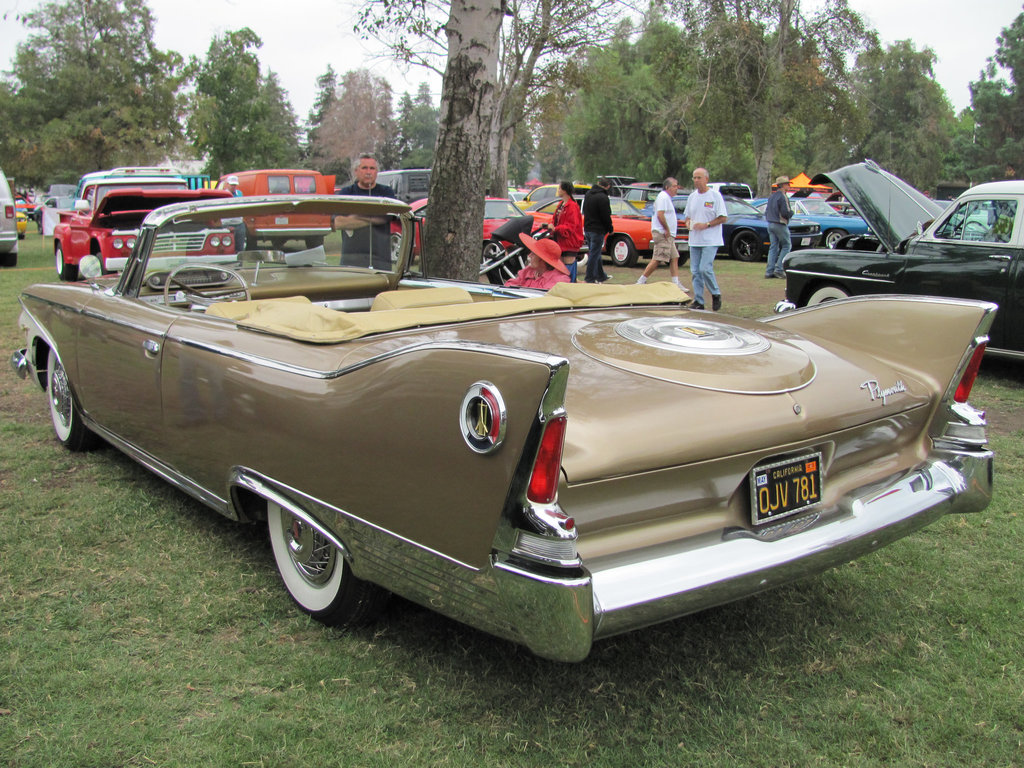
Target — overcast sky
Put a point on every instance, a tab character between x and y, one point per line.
301	37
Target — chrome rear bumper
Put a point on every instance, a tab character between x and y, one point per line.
663	585
560	619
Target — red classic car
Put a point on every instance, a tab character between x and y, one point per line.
109	230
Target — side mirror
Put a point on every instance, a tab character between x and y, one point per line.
90	268
82	206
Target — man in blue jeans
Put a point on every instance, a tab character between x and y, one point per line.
778	213
705	214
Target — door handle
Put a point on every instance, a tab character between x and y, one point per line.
152	347
1001	256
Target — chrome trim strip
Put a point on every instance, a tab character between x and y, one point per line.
165	472
464	346
294	499
988	306
833	276
655	586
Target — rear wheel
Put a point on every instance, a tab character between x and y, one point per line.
64	413
826	293
316	575
66	272
622	251
745	246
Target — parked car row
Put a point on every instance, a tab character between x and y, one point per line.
745	231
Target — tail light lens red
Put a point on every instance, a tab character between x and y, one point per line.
544	480
8	211
963	389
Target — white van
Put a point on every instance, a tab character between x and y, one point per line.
733	189
8	225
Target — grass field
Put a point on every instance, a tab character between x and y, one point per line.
138	628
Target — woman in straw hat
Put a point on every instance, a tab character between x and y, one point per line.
544	268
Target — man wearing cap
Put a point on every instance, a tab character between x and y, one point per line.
545	267
232	186
778	213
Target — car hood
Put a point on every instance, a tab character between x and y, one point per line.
891	207
138	200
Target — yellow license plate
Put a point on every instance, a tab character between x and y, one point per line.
784	488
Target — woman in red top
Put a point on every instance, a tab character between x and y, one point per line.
567	227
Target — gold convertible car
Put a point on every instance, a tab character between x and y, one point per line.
552	468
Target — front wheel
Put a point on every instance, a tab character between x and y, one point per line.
833	236
66	272
316	575
826	293
64	412
745	246
622	251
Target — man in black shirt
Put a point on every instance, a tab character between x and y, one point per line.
369	245
597	224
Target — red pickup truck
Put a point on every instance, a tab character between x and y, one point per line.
108	230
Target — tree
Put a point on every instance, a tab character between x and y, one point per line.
315	153
89	90
998	149
452	239
240	119
358	120
626	116
417	129
538	38
908	119
764	61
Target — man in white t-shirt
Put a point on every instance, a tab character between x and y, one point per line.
704	215
663	233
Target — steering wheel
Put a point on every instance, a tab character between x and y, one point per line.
975	230
206	294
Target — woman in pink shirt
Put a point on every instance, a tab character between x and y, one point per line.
544	268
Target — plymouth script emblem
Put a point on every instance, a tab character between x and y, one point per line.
877	392
483	417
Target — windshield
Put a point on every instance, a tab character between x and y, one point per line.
100	191
269	242
500	209
739	208
817	208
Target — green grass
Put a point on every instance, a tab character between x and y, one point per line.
138	628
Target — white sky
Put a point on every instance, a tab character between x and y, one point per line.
301	37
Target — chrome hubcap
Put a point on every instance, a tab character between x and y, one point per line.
313	556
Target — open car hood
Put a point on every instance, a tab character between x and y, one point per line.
891	207
142	200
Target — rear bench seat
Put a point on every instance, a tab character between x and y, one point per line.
298	318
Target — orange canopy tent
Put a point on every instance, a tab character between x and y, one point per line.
802	182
